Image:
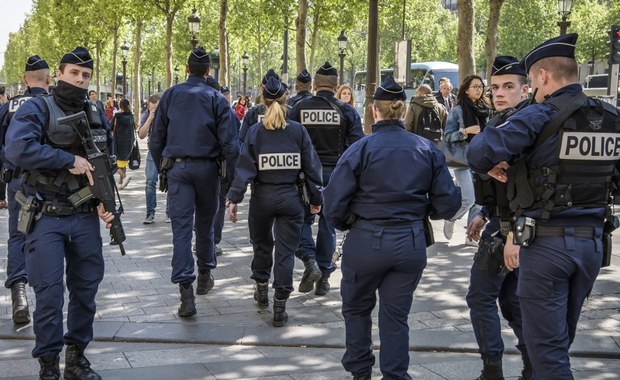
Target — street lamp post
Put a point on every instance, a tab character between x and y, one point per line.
342	44
215	62
193	21
124	52
564	10
245	60
176	75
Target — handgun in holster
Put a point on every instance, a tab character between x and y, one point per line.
610	225
29	211
490	255
524	231
303	190
166	164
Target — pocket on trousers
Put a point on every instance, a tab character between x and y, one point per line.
530	288
173	188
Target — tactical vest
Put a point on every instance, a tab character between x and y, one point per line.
326	125
589	149
258	115
14	105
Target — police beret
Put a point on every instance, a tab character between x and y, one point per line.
199	55
36	63
270	74
562	46
273	89
390	90
327	69
79	56
224	90
505	64
304	76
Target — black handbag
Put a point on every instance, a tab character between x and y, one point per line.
455	153
135	158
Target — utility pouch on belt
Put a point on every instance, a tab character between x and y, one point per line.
30	207
490	256
166	164
524	231
428	232
608	228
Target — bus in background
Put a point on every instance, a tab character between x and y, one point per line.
421	73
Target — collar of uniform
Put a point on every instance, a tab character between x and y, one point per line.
573	88
381	125
325	94
35	91
195	79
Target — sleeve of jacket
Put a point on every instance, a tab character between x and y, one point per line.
444	195
409	119
341	189
226	132
159	129
443	115
454	124
4	124
355	131
312	168
245	172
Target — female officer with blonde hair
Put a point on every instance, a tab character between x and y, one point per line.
385	250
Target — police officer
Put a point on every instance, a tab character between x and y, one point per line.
275	153
303	85
385	249
37	79
53	159
192	129
489	279
332	125
255	114
558	157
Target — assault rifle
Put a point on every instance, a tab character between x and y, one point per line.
104	187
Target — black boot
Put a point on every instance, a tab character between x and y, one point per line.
363	376
261	294
205	281
526	372
188	300
311	275
322	286
279	312
49	367
77	367
21	314
492	370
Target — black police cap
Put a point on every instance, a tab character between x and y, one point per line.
390	90
327	69
304	76
199	55
225	90
561	46
270	74
78	56
273	89
505	64
35	63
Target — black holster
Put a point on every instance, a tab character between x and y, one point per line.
490	256
609	226
428	232
166	164
29	211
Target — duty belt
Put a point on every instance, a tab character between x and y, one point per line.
64	209
9	174
193	159
582	232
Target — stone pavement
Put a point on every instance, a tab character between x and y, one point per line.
139	334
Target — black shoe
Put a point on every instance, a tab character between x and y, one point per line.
218	251
21	314
188	300
205	281
526	372
50	370
261	294
322	286
311	275
363	376
77	367
492	370
279	312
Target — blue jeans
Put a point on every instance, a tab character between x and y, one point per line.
465	181
150	190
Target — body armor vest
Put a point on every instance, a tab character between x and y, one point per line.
14	105
324	120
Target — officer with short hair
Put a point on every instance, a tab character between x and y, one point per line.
385	249
275	154
490	281
558	159
55	169
332	125
192	129
37	79
255	114
303	85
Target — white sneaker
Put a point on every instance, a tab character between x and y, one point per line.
124	183
448	228
471	242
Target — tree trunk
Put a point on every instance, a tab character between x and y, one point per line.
313	38
223	79
490	44
300	44
136	93
465	45
98	66
372	63
169	21
114	53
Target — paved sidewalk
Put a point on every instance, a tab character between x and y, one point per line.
139	333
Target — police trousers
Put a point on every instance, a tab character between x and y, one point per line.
390	260
275	209
556	274
16	261
76	240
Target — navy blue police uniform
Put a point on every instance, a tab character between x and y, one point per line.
272	161
303	79
16	261
332	125
256	113
489	281
558	188
46	152
193	127
385	249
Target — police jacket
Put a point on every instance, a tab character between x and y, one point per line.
277	157
371	183
193	120
332	124
253	116
579	145
301	95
